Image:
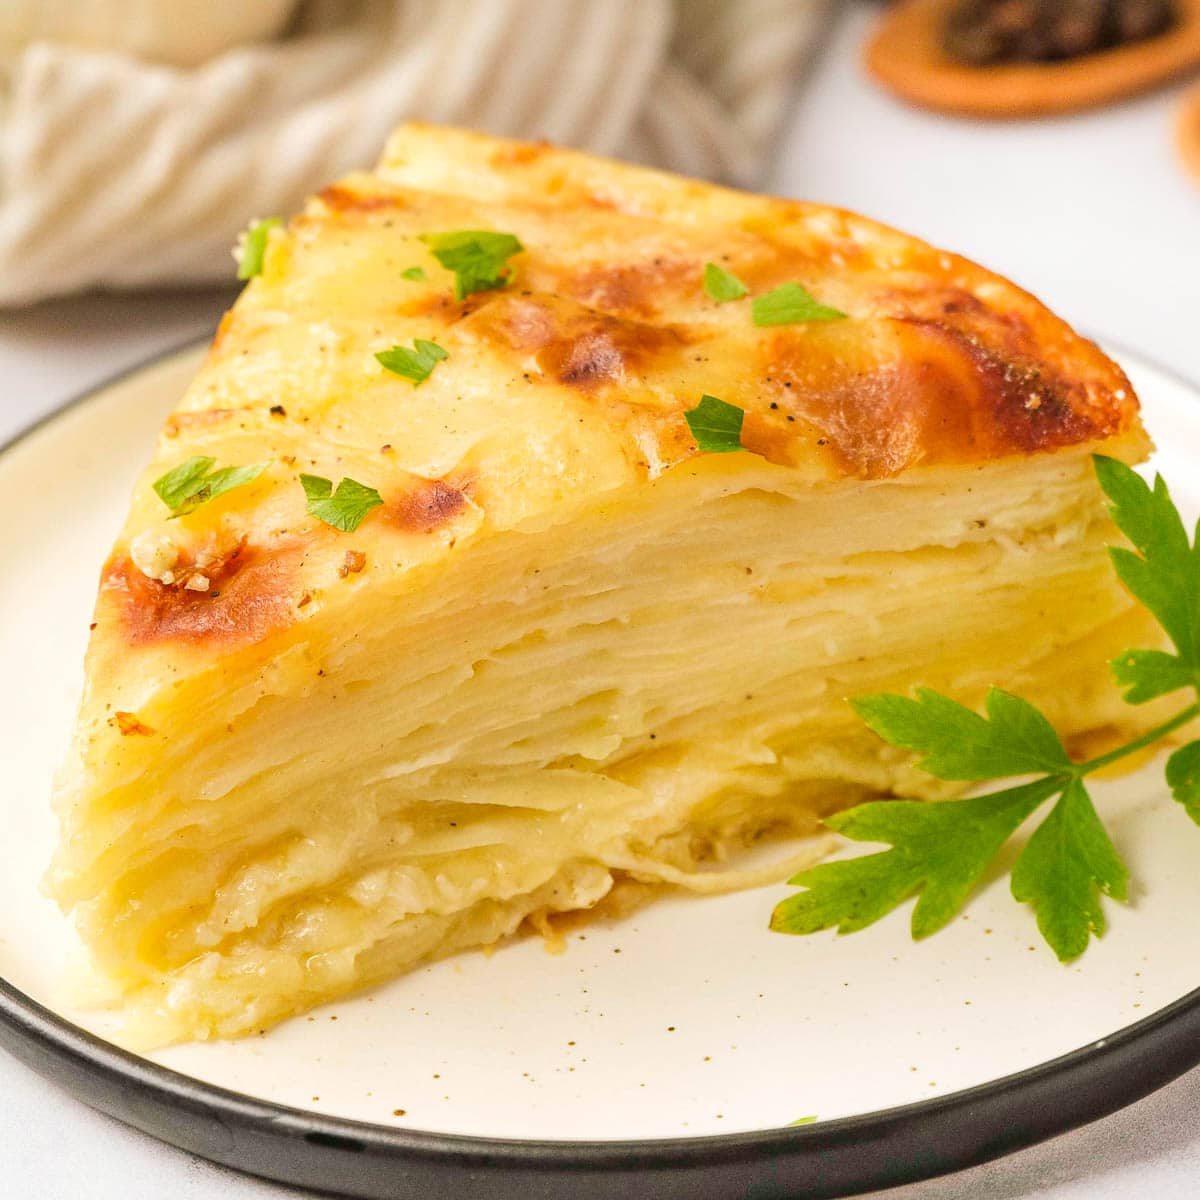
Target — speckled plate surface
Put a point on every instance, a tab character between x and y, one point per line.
673	1048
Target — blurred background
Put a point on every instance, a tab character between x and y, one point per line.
1056	141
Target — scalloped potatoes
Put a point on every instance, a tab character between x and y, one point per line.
567	648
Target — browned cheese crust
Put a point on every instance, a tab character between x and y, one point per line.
574	379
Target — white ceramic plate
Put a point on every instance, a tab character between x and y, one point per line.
688	1019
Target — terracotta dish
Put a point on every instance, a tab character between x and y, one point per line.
1188	130
905	54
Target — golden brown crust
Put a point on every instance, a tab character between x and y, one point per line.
582	348
178	422
249	596
949	394
429	505
573	380
904	53
1188	130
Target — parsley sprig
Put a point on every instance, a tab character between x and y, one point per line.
723	285
251	251
194	482
344	508
791	304
478	258
416	364
940	851
716	425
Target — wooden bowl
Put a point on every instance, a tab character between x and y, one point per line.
905	54
1187	130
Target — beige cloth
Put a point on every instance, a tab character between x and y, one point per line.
118	172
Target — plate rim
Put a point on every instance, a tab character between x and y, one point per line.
837	1157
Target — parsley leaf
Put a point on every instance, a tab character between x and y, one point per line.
941	850
414	273
721	285
1183	778
476	256
1014	738
1067	861
416	364
1165	577
194	483
252	248
789	304
177	486
716	426
938	849
1150	673
343	509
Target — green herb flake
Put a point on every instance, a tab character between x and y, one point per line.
416	364
345	508
478	258
415	273
790	304
194	482
803	1121
722	285
252	247
716	426
940	851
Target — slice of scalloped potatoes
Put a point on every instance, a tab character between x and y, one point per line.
568	648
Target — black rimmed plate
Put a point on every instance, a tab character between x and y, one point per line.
665	1055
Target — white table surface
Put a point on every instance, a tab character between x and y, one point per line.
1091	212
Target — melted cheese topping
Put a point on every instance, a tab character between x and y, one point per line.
567	649
575	378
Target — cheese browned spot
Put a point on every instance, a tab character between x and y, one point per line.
918	391
249	596
637	289
351	200
201	418
429	505
519	154
579	346
1021	405
352	564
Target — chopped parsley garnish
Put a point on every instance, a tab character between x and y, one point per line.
716	426
789	304
721	285
343	509
478	258
940	851
414	273
803	1121
194	483
252	248
416	364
